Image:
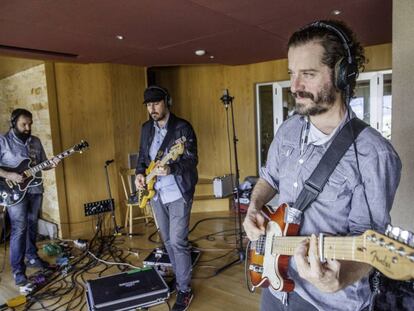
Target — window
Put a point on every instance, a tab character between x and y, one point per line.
274	104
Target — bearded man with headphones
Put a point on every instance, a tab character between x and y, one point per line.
17	145
324	59
174	186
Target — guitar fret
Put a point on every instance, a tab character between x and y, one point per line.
343	248
33	170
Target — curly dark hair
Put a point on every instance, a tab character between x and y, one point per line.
333	45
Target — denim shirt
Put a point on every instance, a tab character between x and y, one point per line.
341	208
166	186
13	151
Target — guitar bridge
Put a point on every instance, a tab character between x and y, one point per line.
256	268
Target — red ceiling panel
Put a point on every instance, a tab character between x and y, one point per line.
166	32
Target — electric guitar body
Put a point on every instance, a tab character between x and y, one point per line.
147	194
12	193
271	270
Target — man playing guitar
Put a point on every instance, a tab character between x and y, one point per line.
17	145
323	61
174	185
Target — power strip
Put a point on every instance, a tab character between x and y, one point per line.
98	207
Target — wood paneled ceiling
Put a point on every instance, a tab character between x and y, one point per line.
167	32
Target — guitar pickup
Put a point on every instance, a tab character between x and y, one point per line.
256	268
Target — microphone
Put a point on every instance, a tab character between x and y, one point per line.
107	162
226	98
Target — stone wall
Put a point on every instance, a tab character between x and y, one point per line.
27	89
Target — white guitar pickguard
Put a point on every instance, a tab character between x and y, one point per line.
270	268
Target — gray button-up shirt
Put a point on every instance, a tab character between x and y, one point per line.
166	186
341	208
13	151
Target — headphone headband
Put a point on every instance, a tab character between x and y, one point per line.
339	33
346	69
167	97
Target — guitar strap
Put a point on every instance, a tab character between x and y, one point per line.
315	183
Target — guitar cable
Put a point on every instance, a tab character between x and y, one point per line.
4	239
375	281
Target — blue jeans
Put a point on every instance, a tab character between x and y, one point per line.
23	221
173	220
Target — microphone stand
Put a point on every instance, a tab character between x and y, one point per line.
111	200
228	101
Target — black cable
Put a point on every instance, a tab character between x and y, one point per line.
348	104
4	240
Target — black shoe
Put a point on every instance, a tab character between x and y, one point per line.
37	263
20	279
183	300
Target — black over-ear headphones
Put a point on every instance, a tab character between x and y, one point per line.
346	69
167	97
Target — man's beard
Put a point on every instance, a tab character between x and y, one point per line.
158	116
23	136
324	100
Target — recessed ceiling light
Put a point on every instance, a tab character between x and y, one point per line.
200	52
119	37
211	56
336	12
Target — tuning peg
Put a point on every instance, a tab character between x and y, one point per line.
388	230
396	232
407	238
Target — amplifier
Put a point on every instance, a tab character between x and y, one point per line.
98	207
160	260
140	288
223	186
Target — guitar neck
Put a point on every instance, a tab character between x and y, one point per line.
339	248
48	163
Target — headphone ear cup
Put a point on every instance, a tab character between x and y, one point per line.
13	120
345	74
341	74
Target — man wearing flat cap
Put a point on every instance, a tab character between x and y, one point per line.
174	186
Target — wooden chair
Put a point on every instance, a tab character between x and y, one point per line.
131	199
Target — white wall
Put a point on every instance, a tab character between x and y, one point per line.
27	89
403	108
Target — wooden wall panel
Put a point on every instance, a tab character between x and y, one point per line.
85	112
96	103
128	84
196	92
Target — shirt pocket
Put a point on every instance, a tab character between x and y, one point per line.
334	188
285	161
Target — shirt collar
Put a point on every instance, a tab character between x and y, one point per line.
318	138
